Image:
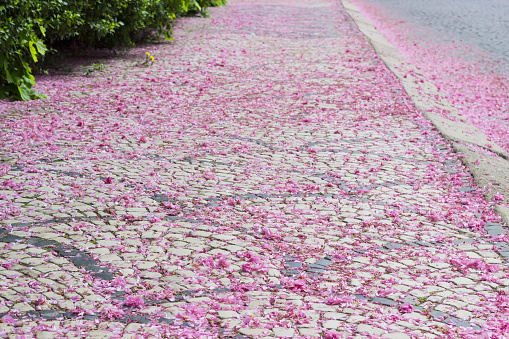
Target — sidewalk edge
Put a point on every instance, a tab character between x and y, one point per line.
425	96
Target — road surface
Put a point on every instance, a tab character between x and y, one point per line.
483	24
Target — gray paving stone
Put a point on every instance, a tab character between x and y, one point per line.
282	332
196	214
395	335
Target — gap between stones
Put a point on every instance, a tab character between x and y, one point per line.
81	259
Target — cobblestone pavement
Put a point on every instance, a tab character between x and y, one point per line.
267	176
460	47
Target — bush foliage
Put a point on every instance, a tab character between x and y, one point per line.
27	27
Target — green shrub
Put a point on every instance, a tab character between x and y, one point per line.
27	27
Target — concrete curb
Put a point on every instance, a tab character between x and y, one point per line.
487	161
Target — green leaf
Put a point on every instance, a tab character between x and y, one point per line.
41	47
28	79
36	95
24	92
32	50
8	76
43	30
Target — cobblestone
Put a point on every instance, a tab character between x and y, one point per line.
285	187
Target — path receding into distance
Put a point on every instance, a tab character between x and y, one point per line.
483	24
267	176
458	52
459	47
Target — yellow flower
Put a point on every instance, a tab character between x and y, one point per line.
151	58
147	53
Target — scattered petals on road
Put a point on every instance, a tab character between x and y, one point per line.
266	176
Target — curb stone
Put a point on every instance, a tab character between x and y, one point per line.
463	136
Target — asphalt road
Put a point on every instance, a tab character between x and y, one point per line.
481	23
